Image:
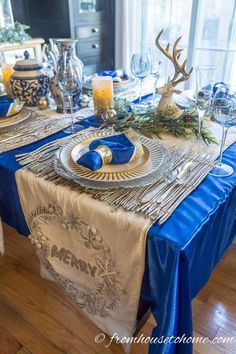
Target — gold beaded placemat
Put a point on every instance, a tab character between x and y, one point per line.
38	125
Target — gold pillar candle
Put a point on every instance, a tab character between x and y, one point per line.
7	71
102	94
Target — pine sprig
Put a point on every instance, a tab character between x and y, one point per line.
152	123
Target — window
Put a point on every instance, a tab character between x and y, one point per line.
6	18
208	30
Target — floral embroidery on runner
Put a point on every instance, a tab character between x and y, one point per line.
109	290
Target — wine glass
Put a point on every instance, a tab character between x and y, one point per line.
155	72
224	113
204	88
69	82
141	68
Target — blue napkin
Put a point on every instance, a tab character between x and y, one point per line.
116	73
121	148
216	87
5	104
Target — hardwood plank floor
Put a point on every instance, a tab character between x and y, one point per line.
37	317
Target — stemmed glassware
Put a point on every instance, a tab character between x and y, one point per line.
204	88
70	83
141	68
155	72
224	113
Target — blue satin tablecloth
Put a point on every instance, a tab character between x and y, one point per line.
181	253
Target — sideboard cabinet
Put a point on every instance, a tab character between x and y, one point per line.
91	22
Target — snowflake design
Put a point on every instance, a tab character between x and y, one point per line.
107	270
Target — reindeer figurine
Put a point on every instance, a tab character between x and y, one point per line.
180	74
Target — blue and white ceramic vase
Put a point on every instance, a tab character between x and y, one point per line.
61	98
29	82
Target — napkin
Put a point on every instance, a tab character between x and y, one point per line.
216	87
9	106
116	73
115	149
5	105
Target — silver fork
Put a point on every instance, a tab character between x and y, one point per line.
199	162
169	177
181	178
10	138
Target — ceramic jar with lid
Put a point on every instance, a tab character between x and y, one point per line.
29	81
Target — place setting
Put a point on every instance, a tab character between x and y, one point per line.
118	161
27	127
25	108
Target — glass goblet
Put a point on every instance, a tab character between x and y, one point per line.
155	72
224	113
204	88
141	68
69	82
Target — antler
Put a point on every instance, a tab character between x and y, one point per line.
179	68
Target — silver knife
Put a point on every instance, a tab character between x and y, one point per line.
10	138
179	173
180	179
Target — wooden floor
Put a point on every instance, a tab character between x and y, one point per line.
37	317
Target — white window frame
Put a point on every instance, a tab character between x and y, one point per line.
192	42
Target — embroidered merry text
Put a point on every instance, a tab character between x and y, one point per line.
68	258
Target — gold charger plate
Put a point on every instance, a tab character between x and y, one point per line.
83	147
8	119
151	160
13	120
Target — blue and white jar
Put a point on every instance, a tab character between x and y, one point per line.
29	82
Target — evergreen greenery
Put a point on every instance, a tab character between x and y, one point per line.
151	123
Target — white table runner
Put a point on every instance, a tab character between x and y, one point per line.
98	256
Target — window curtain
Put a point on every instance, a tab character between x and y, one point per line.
208	30
128	31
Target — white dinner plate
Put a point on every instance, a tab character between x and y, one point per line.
16	119
117	87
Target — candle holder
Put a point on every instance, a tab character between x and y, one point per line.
103	97
7	71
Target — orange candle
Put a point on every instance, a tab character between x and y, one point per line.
7	71
102	94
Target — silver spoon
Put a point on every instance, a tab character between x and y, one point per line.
180	179
168	180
